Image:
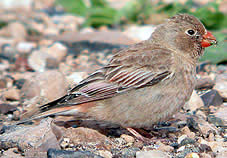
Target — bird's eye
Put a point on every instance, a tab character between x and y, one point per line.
190	32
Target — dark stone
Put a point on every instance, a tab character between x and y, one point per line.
54	153
125	153
192	124
204	148
52	63
167	129
212	97
175	145
204	83
19	83
187	141
3	83
188	150
215	120
6	108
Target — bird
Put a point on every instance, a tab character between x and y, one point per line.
142	84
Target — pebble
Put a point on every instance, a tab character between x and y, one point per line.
127	138
194	103
25	47
192	155
221	85
152	153
12	94
105	153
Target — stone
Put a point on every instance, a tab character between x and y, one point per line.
5	108
152	153
76	77
12	94
84	135
218	147
38	137
105	153
139	33
25	47
212	97
16	30
205	155
164	148
194	103
186	130
192	155
37	60
97	36
57	50
128	139
127	152
15	4
204	83
49	85
221	113
10	153
55	153
221	85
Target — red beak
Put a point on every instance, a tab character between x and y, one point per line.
208	40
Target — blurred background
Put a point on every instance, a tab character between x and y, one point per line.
136	18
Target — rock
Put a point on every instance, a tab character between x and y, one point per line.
105	153
194	103
192	155
37	60
139	33
12	94
3	83
5	108
49	85
185	150
221	113
205	155
57	51
186	130
127	152
25	47
152	153
15	4
221	85
76	77
127	138
16	30
186	141
84	135
204	83
218	147
51	63
98	36
38	137
164	148
54	153
212	97
10	153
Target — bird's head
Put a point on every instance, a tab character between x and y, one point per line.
185	33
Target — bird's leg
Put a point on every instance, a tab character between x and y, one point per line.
144	139
138	135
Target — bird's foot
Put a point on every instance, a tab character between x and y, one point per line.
146	140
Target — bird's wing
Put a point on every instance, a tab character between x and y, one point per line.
131	68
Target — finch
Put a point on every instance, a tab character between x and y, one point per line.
143	84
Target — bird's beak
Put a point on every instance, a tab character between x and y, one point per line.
208	40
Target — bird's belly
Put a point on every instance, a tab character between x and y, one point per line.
142	107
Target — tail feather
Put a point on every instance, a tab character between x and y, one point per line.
72	110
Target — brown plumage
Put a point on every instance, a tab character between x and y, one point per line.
143	84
